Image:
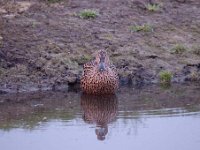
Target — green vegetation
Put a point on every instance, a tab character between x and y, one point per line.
165	77
153	7
178	49
88	14
141	28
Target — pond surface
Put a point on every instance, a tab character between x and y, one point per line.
147	118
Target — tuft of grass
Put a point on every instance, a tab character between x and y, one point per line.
178	49
196	50
165	77
153	7
142	28
88	14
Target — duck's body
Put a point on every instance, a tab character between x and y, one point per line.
100	76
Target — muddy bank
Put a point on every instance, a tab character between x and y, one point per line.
43	44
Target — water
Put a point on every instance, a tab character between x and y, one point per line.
150	118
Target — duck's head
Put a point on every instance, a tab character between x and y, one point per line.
102	60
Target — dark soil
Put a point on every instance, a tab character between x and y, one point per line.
43	43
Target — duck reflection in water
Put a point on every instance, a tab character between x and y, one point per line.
100	110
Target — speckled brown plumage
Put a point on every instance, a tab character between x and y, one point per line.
100	76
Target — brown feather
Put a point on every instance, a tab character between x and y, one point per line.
95	82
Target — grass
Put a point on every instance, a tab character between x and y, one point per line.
142	28
165	77
88	14
153	7
178	49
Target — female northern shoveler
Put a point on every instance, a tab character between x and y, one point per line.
100	76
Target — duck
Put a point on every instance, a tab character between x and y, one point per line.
99	75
